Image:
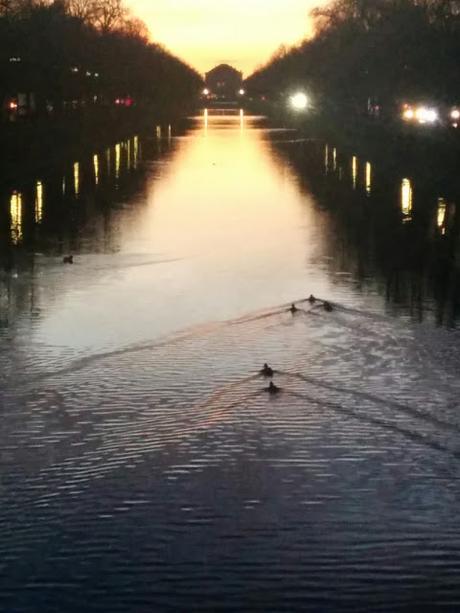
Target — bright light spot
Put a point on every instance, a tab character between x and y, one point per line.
76	177
408	114
441	213
13	105
368	177
425	114
455	114
38	202
206	91
117	160
299	101
406	197
241	92
16	217
354	170
96	168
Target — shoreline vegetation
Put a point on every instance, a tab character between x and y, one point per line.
76	70
367	69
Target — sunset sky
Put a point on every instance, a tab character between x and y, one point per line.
243	33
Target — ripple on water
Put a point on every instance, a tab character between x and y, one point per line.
145	477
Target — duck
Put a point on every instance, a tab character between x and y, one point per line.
272	388
67	259
311	299
327	306
293	308
267	371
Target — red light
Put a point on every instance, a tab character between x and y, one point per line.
128	102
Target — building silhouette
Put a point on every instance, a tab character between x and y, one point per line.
224	82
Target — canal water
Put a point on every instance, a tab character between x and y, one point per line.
143	465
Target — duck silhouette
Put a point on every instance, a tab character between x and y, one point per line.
293	308
67	259
272	388
266	370
311	299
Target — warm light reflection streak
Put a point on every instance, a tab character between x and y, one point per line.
38	202
406	198
16	217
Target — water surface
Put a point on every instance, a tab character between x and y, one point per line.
144	466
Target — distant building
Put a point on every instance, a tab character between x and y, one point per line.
224	82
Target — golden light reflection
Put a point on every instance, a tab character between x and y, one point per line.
326	159
368	178
76	177
205	119
241	119
354	170
441	215
334	159
16	217
128	148
96	168
135	151
117	160
158	131
406	198
38	202
169	133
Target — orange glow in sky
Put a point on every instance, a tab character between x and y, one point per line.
243	33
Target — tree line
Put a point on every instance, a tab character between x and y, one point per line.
364	51
65	54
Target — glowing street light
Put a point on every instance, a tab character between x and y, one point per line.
299	101
241	92
206	91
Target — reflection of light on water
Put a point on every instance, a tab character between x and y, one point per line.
158	131
406	198
241	119
135	151
441	215
128	146
169	133
205	119
334	159
354	170
16	217
76	177
326	159
38	202
117	160
368	177
96	168
108	160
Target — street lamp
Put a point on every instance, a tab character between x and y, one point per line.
298	101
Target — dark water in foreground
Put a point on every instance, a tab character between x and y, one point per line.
143	466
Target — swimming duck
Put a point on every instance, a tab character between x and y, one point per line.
267	371
68	259
293	308
272	388
311	299
327	306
